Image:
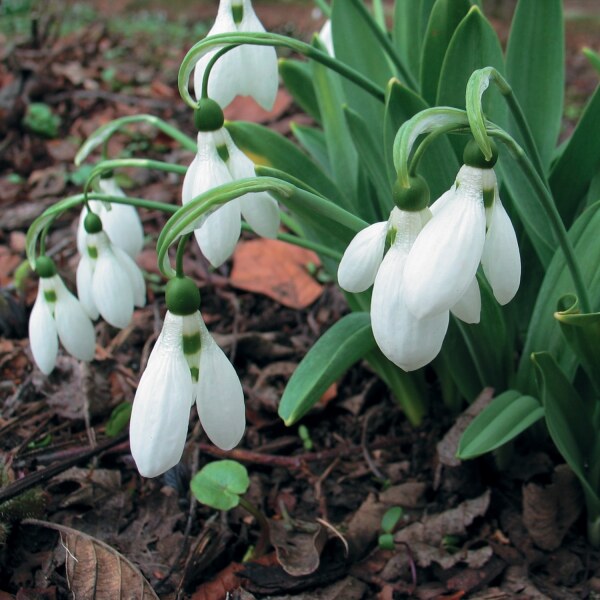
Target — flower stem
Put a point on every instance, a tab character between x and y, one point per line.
210	65
180	253
269	39
263	538
553	215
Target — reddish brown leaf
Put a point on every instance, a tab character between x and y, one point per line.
277	270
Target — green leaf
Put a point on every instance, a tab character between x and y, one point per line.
220	484
356	44
390	518
370	154
508	415
297	78
119	418
580	161
535	68
439	165
569	422
444	19
334	353
271	149
410	23
593	57
544	332
582	332
313	141
40	119
473	46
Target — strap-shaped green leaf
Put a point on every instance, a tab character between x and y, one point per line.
313	141
473	46
544	332
297	77
508	415
349	340
535	69
580	161
410	23
582	332
444	19
570	424
593	57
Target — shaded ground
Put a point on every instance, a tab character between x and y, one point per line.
468	530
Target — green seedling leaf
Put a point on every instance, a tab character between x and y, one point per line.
80	175
391	518
40	119
119	418
386	541
582	332
537	32
335	352
220	484
504	419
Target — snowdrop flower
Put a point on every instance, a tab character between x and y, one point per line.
109	282
407	341
219	161
326	37
470	226
247	70
121	222
58	314
185	366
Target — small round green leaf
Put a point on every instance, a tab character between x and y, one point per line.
220	484
390	518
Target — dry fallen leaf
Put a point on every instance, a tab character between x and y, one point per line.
95	571
277	270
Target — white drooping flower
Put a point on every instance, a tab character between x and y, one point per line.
245	71
407	341
109	282
57	314
442	264
186	365
219	161
121	222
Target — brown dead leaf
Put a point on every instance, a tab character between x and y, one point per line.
244	108
8	263
47	182
95	571
277	270
298	545
95	486
549	511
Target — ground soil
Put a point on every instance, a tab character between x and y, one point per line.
468	530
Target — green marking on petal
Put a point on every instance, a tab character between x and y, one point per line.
390	238
195	371
488	197
191	344
237	11
223	152
50	295
92	252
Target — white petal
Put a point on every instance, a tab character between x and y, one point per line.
442	201
74	326
362	258
42	333
408	342
161	407
468	308
220	399
112	288
85	270
223	80
123	226
444	259
136	278
501	259
259	74
326	37
220	232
